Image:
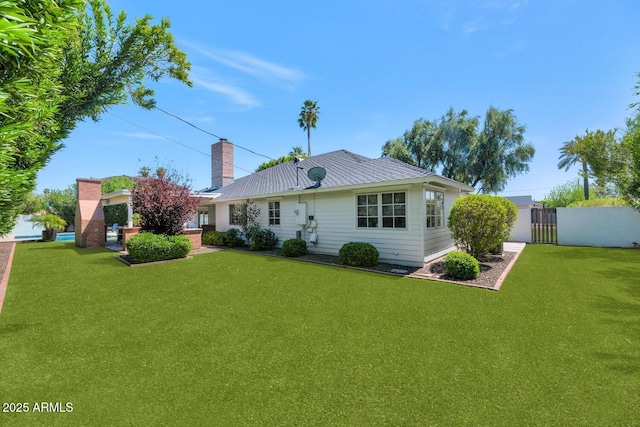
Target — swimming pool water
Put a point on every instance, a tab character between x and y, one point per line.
62	237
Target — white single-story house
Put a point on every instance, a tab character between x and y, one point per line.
400	209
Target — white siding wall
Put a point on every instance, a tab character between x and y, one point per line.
222	216
335	215
437	240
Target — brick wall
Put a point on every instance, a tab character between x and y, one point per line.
195	235
89	224
221	163
128	232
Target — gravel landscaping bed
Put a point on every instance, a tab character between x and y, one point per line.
5	250
491	267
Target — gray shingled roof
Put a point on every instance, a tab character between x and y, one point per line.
523	201
343	168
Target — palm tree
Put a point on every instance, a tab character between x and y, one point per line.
297	152
594	150
572	152
308	119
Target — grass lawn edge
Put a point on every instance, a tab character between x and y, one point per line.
5	277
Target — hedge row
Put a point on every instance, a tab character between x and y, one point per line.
149	247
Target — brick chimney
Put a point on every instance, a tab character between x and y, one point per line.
221	163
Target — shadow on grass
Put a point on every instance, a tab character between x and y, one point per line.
623	311
13	328
65	246
627	364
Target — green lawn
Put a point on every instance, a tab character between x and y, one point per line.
233	338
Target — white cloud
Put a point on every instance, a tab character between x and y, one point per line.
138	135
203	119
473	26
234	94
276	74
479	15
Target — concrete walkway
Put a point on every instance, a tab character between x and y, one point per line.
514	246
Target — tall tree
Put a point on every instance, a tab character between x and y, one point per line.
68	61
488	157
626	163
308	118
593	151
34	36
572	152
417	145
501	151
455	137
397	149
420	142
296	152
116	183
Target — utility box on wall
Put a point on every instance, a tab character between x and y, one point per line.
301	213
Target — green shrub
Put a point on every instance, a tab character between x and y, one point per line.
216	238
262	239
461	266
358	254
479	223
149	247
294	248
602	202
136	219
233	238
116	214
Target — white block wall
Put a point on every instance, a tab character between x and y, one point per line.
616	226
23	227
521	231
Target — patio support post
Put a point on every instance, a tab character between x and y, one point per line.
129	212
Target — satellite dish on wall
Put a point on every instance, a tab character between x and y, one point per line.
316	174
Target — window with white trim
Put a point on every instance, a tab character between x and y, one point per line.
235	215
435	208
274	213
382	210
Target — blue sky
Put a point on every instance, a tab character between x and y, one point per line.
373	67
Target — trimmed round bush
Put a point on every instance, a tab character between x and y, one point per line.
263	239
358	254
149	247
233	238
216	238
294	248
461	266
479	223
